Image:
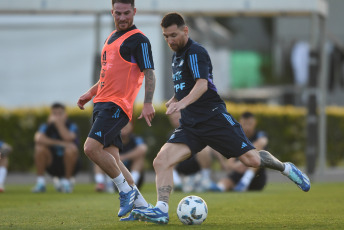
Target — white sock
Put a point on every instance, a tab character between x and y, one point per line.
65	181
40	180
221	187
247	177
287	168
163	206
99	178
3	174
140	201
206	173
136	176
122	183
176	178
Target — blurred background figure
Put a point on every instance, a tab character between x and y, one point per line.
132	156
196	172
193	174
56	151
300	62
241	178
5	149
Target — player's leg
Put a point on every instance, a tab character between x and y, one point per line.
43	158
70	158
190	169
231	141
177	180
259	181
139	202
137	166
264	159
243	184
204	159
3	172
99	178
168	157
108	163
225	184
95	151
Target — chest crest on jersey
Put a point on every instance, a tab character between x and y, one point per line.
177	76
178	62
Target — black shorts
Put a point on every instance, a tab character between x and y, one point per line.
222	133
57	167
107	124
188	166
257	183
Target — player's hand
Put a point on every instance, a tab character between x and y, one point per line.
83	100
173	99
148	113
175	107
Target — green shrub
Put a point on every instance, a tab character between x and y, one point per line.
285	126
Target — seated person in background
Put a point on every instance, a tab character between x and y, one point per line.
56	151
240	177
5	149
132	156
196	170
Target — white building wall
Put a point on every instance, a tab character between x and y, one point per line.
48	58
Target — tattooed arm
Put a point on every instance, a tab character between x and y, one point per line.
148	111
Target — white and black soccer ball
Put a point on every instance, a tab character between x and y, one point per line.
192	210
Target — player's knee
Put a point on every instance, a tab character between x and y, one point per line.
160	161
157	163
255	162
251	159
89	150
40	149
71	149
71	155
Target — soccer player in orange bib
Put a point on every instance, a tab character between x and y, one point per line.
126	59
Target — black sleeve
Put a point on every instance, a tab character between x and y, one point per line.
143	53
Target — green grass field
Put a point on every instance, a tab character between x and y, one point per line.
279	206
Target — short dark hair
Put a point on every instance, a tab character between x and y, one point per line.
247	115
58	105
172	19
132	2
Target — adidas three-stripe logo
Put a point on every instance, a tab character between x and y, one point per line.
153	212
132	197
243	145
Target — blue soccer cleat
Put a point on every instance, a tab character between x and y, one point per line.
126	202
131	215
214	187
240	187
154	215
39	188
299	178
66	186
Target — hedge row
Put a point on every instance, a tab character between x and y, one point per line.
285	126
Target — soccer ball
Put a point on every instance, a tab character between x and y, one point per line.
192	210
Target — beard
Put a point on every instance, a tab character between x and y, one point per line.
123	25
175	47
